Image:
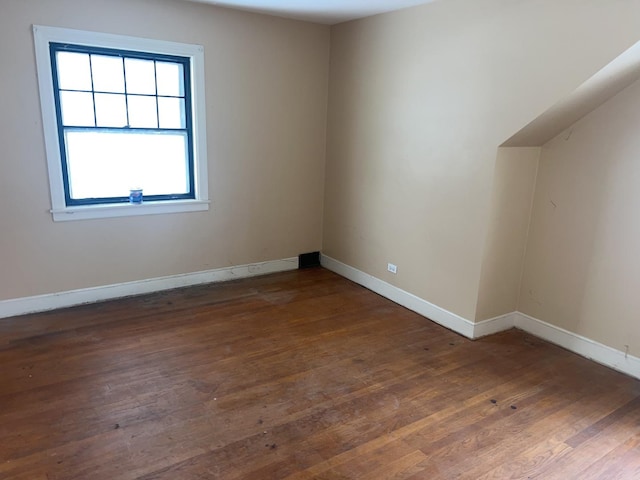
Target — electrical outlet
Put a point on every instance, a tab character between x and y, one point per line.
392	268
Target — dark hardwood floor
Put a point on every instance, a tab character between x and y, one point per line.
299	375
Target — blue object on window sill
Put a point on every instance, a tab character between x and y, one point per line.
135	196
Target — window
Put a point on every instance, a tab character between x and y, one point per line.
121	114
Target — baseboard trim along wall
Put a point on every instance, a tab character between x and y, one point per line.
586	347
583	346
494	325
41	303
439	315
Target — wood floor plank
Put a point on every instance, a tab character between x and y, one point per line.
623	462
590	451
300	375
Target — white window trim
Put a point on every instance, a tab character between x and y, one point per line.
43	36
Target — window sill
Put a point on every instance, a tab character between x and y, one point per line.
128	210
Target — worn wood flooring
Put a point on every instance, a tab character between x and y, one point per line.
300	375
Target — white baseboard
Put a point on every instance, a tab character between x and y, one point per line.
40	303
408	300
494	325
583	346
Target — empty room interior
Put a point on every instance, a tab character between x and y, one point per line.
367	239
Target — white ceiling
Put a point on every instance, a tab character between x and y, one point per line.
328	12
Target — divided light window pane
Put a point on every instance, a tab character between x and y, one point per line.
143	112
110	164
171	112
170	79
111	110
74	71
108	73
140	76
77	109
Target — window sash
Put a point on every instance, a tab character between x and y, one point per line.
138	157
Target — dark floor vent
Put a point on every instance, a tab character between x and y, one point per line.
308	260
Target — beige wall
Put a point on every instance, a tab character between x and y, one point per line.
514	180
582	268
266	90
419	101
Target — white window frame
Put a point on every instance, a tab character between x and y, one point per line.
43	36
